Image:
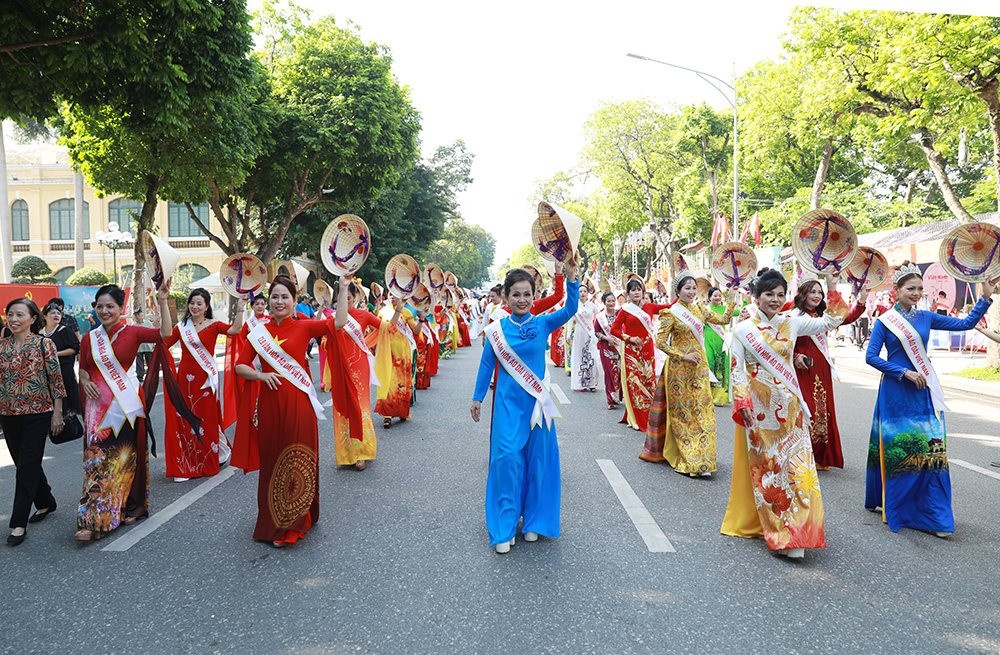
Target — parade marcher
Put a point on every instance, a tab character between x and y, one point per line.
583	354
814	368
190	455
395	393
715	350
115	452
353	366
31	406
287	414
67	347
245	454
907	453
775	488
683	431
609	348
524	478
642	361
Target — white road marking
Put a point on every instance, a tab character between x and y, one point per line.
328	403
973	467
560	396
144	529
5	459
656	541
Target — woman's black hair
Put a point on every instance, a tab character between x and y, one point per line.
204	295
518	275
353	290
636	283
116	292
604	296
284	281
37	320
768	279
50	306
800	297
713	290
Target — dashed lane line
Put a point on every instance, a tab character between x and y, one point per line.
146	528
656	541
973	467
560	396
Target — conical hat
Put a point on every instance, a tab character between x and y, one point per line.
161	258
733	264
402	275
971	252
868	270
536	275
300	276
243	275
550	267
434	277
323	293
680	264
377	289
421	298
345	245
824	241
704	286
556	232
450	280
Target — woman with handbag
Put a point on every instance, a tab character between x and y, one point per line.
31	406
67	347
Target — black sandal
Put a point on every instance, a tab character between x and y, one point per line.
41	515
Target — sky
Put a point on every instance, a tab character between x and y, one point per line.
518	81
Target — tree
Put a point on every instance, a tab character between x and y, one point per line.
466	250
523	256
336	127
32	270
175	117
88	277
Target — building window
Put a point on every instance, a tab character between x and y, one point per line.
61	220
19	221
181	225
123	211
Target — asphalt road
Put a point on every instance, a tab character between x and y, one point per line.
399	562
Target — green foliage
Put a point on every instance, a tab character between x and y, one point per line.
522	256
31	270
88	277
466	250
986	373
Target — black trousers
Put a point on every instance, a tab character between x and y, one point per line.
26	435
141	362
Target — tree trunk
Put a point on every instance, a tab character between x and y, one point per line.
821	174
939	168
146	219
78	219
990	93
6	250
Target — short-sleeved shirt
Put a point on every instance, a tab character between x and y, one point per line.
30	378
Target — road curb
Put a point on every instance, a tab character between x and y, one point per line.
950	382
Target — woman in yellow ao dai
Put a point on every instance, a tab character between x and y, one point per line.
775	491
684	432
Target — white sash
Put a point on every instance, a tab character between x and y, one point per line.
429	333
127	404
684	315
205	359
823	344
498	314
660	357
914	347
545	410
353	329
251	319
588	326
284	365
768	357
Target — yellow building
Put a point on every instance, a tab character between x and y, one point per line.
40	191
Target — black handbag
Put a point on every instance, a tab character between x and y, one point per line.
72	425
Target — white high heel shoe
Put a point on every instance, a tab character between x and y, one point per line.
530	536
793	553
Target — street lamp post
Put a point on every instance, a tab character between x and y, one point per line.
114	239
708	77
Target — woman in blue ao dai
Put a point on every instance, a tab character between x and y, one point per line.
907	454
523	479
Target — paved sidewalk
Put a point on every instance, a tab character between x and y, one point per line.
846	355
